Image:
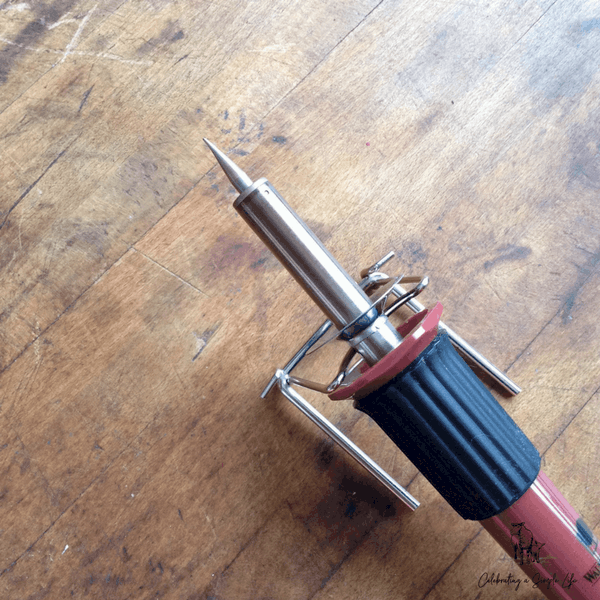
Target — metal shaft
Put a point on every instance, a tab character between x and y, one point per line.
311	264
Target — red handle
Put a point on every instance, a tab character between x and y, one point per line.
550	542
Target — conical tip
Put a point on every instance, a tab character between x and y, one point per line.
238	178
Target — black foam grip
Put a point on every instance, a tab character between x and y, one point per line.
453	430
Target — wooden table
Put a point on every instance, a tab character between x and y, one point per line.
140	318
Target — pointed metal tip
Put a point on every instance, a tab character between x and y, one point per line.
238	178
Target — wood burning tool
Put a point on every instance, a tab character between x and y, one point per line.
413	383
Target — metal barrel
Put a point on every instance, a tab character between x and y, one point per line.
316	270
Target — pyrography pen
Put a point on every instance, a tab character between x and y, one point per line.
413	383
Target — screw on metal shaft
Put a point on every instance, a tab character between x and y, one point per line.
238	178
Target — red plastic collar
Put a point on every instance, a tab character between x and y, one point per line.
418	332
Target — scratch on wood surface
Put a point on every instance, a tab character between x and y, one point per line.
493	290
179	378
554	388
18	7
105	55
211	525
202	340
585	272
28	379
186	250
85	98
20	226
29	188
75	39
170	272
62	21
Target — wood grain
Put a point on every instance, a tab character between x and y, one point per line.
140	318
